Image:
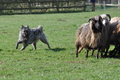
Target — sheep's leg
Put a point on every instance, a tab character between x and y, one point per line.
102	53
116	50
92	52
97	56
80	49
77	48
86	53
106	51
113	52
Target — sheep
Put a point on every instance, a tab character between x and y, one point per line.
106	22
84	31
91	36
115	37
115	19
115	27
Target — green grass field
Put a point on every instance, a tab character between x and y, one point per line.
59	63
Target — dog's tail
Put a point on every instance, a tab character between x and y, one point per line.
40	28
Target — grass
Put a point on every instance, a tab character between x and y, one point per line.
58	63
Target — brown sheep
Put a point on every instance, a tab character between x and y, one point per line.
106	18
115	19
106	22
91	36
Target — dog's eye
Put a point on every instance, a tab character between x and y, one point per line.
25	31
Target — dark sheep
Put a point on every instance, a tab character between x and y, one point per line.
115	37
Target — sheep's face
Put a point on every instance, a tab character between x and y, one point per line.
96	24
106	18
105	22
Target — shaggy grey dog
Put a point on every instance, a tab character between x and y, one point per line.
31	36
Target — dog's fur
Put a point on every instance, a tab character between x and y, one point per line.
31	36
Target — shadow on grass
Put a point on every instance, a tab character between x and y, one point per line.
115	57
57	49
0	49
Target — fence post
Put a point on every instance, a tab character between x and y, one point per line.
101	3
57	5
29	2
118	4
84	5
104	4
1	6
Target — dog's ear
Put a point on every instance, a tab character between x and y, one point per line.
22	27
27	26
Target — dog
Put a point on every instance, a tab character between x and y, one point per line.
31	36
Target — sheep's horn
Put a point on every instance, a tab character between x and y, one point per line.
109	16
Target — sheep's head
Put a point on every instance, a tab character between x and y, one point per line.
96	24
106	19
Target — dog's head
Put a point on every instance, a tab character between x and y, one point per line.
25	30
96	24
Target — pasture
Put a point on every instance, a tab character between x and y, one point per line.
59	63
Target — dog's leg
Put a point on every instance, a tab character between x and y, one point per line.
17	43
44	40
34	45
24	46
48	46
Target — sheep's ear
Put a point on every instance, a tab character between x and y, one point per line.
109	16
100	18
91	19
